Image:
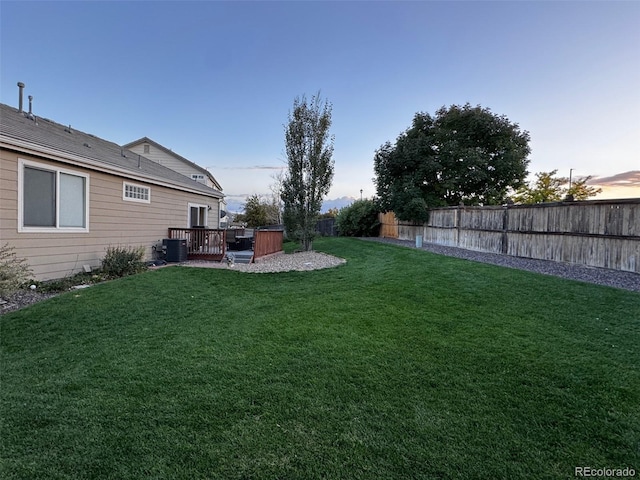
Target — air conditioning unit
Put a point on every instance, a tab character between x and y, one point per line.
175	248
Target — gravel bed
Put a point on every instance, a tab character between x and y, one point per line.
600	276
22	298
301	261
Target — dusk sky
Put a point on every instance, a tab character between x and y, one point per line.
214	81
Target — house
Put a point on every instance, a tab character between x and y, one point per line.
66	196
167	157
164	156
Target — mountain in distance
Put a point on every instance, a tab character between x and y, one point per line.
234	205
336	203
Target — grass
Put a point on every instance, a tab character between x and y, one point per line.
400	364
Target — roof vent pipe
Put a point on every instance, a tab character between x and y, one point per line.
30	100
20	90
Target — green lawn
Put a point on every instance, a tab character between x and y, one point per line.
399	364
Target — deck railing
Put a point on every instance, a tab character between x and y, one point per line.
210	243
202	243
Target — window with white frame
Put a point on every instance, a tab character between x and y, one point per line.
52	199
136	193
198	178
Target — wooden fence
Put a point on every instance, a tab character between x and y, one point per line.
326	227
597	233
267	242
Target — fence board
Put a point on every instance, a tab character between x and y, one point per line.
480	240
408	231
441	236
267	242
388	225
482	218
443	217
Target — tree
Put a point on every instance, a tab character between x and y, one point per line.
331	213
309	148
240	218
462	154
549	188
546	188
259	212
255	212
276	196
579	189
360	219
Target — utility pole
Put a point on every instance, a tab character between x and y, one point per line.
570	172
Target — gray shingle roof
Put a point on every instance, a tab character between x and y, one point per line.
45	135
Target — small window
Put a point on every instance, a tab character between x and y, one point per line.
52	199
145	148
198	178
136	193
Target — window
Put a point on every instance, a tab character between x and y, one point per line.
52	199
198	178
136	193
145	148
197	215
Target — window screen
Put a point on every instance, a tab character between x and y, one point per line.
39	198
72	201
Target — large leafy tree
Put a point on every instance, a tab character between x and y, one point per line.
309	150
547	187
461	154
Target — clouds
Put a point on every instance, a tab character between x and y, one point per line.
626	179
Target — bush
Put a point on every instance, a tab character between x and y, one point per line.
14	271
123	261
360	219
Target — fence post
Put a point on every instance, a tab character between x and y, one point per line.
505	226
458	217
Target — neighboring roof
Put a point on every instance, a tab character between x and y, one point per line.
174	154
45	138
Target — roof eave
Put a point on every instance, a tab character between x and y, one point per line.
25	147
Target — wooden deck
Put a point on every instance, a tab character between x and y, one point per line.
211	244
202	243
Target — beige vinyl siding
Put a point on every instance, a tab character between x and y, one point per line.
163	158
8	197
112	221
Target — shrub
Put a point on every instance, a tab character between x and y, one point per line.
360	219
123	261
14	271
